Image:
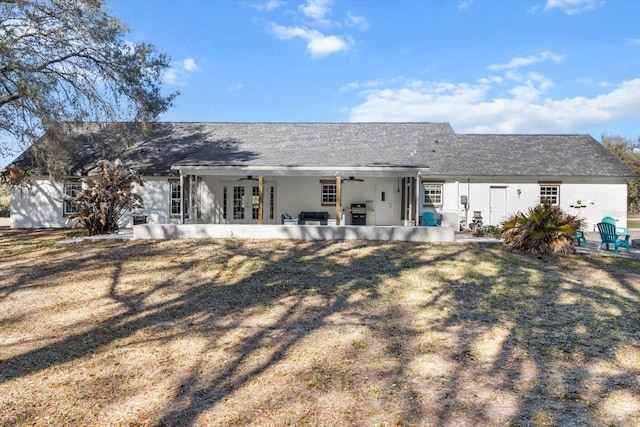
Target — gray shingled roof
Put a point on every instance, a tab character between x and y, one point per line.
316	144
433	147
524	155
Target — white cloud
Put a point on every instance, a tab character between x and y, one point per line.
635	42
357	21
318	44
315	14
350	86
520	61
170	76
573	7
317	9
464	4
532	89
358	86
593	83
472	108
492	79
269	5
189	64
178	74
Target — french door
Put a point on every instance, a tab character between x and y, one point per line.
243	203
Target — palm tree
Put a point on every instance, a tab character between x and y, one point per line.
105	198
545	229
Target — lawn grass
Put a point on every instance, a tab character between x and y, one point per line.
350	333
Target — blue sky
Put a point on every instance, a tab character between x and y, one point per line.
485	66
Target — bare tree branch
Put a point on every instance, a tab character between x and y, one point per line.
68	60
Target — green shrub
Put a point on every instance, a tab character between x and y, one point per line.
544	229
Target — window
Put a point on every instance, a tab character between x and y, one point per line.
71	188
329	192
432	194
550	194
176	199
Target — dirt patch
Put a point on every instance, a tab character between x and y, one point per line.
236	333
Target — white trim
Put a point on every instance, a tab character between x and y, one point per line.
516	179
429	183
555	196
277	171
332	183
70	182
173	182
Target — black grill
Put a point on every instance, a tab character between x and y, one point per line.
358	214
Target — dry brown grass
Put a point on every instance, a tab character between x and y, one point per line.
237	333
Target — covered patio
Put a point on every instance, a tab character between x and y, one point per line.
262	197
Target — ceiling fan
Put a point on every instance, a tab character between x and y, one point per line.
352	178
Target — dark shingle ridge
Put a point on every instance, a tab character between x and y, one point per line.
418	145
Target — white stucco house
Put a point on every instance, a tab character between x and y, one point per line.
375	174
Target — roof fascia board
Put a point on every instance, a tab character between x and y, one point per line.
295	171
578	179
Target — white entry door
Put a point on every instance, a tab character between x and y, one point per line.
497	205
243	203
384	204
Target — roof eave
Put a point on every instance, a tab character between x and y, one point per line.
389	171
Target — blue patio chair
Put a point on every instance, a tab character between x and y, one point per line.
611	220
579	238
429	219
609	235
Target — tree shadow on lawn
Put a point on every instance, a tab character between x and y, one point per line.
332	293
464	335
299	280
549	334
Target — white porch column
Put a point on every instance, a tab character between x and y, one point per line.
417	198
192	215
338	199
182	198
